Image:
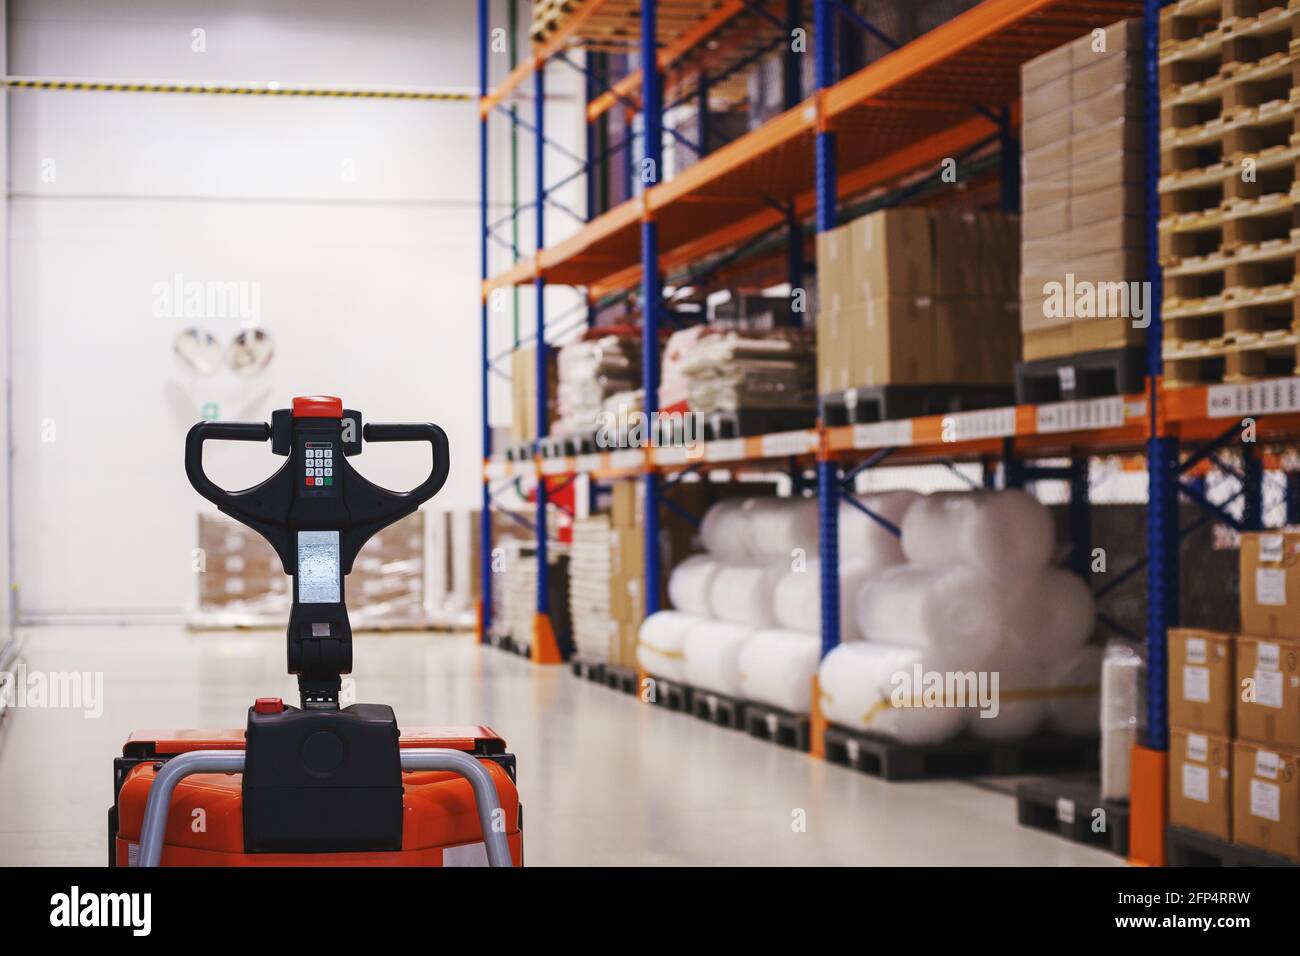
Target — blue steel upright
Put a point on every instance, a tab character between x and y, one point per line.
539	284
651	281
1162	450
485	506
828	472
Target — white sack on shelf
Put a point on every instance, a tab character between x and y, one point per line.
661	641
723	530
797	600
775	527
741	593
956	611
1004	533
777	668
712	651
1058	617
863	538
858	683
690	582
1021	699
1075	681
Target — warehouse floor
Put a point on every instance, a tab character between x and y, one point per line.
604	780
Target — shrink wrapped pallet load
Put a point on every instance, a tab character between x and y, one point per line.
1121	681
796	602
660	648
690	583
1005	533
1075	685
777	668
858	683
741	593
1020	704
865	539
712	650
956	611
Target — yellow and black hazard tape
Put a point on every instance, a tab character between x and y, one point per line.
218	89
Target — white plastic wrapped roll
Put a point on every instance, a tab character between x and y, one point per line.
864	539
1057	617
1004	533
955	611
858	685
1020	704
712	650
777	668
661	642
796	602
723	530
741	593
775	527
1075	682
690	583
1122	670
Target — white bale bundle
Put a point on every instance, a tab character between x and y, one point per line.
797	600
1005	533
1122	670
865	539
777	668
861	682
956	611
690	583
1057	618
712	650
661	642
741	592
1074	708
775	527
723	530
1020	702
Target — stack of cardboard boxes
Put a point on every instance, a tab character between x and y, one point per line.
1083	201
1234	709
915	297
523	393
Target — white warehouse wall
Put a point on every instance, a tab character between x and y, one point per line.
355	221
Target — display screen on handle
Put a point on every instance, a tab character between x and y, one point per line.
319	579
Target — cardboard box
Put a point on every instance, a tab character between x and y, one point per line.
1122	37
1124	201
1047	342
835	269
1270	584
1093	78
1045	222
1202	684
1040	99
1266	798
834	358
523	378
892	342
1047	129
1096	238
1119	102
1109	139
1039	193
1046	67
1200	782
1047	163
1268	691
1090	176
1093	335
892	253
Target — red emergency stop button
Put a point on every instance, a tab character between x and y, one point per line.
317	406
268	705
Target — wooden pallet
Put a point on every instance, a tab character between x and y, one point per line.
1072	808
876	403
1254	272
718	708
1086	375
672	694
1269	355
719	426
1185	847
779	726
1232	317
620	678
962	757
593	671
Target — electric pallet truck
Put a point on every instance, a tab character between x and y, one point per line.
318	784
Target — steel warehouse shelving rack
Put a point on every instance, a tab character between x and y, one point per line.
944	94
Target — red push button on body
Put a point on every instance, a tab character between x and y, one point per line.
268	705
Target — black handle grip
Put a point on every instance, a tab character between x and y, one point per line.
422	431
216	431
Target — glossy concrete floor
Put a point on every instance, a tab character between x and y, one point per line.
605	780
